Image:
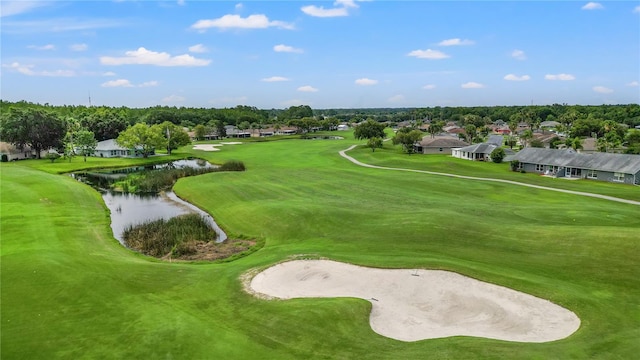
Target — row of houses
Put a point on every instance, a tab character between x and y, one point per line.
568	163
559	163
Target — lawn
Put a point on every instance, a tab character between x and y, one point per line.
69	290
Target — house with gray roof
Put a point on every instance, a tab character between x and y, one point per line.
567	163
438	145
110	148
478	152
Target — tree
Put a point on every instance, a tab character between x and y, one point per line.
574	143
497	155
173	136
142	138
407	137
526	136
471	133
369	129
37	128
632	141
374	143
85	143
220	130
200	132
435	128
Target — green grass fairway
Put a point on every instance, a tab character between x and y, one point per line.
69	290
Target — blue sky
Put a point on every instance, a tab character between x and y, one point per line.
342	54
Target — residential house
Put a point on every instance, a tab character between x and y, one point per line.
438	144
478	152
10	152
568	163
110	148
234	132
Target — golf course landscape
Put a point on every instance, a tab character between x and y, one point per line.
70	290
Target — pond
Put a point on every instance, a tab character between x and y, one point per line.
132	209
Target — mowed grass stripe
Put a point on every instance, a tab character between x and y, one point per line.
96	299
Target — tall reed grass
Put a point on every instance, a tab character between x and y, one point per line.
177	236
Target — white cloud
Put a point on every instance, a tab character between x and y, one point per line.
238	6
346	3
143	56
602	90
341	8
455	42
512	77
198	48
79	47
307	88
28	70
9	8
257	21
43	47
472	85
181	2
58	25
592	6
109	73
396	99
563	77
117	83
429	87
287	48
275	79
149	83
320	11
428	54
366	82
636	9
633	83
518	54
173	98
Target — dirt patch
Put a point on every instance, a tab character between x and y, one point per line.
209	251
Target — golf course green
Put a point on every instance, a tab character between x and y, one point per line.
70	290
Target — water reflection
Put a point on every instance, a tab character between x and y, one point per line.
132	209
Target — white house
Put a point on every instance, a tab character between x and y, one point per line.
110	148
343	127
10	152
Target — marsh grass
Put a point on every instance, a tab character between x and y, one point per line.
177	236
154	181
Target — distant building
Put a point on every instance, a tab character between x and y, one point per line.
438	145
110	148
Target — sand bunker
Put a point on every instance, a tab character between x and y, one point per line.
412	305
207	147
231	143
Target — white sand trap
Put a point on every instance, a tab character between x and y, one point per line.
207	147
232	143
433	304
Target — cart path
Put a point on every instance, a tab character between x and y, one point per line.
343	153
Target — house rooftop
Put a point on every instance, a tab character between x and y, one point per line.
628	164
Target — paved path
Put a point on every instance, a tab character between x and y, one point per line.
343	153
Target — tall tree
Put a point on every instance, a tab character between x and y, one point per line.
407	137
35	127
141	137
85	143
436	127
174	136
369	129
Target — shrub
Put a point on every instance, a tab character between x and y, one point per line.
232	165
497	155
5	158
53	156
514	165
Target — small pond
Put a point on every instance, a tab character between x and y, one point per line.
132	209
